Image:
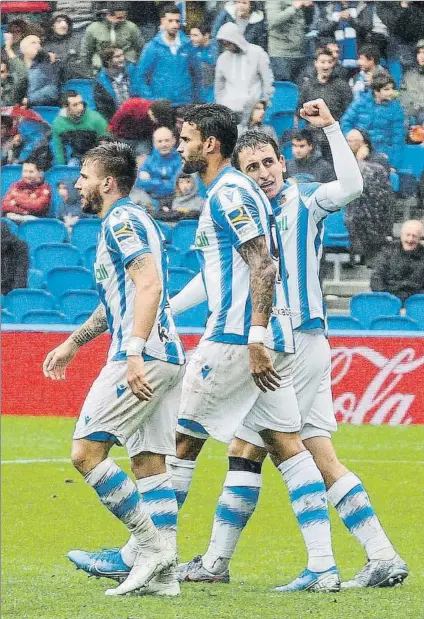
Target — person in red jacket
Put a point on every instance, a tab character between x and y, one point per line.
28	198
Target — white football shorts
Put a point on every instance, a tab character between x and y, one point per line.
111	407
219	393
312	384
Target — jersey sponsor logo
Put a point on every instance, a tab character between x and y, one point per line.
201	240
100	273
283	224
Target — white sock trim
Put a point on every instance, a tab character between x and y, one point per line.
174	461
145	484
286	466
94	476
341	487
243	478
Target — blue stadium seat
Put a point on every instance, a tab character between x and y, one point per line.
344	323
412	160
64	279
90	258
285	99
287	151
60	173
51	255
179	277
7	317
40	317
85	88
35	279
13	226
76	302
193	317
191	261
183	234
282	121
9	174
415	308
174	256
22	300
39	231
336	234
85	233
394	323
166	230
47	112
366	306
81	318
394	66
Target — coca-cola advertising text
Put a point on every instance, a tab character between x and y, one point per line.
375	379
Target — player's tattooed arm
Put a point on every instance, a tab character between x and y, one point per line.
262	278
94	326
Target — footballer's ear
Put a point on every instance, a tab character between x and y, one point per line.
283	163
211	145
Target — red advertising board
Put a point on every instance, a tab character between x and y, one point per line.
375	379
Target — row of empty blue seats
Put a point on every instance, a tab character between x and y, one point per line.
381	311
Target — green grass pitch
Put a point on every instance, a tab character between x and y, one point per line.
47	510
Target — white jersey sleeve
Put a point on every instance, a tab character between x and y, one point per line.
126	235
237	213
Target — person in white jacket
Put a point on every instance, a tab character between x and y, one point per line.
243	73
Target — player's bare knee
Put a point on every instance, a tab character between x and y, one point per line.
281	445
188	447
241	449
86	455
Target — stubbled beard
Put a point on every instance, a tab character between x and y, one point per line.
93	203
191	166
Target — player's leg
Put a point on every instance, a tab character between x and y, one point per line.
276	417
181	466
349	497
235	506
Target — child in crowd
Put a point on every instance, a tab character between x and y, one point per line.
255	122
69	209
187	203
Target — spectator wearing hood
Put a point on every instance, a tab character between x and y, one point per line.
114	29
255	121
243	74
14	261
168	67
69	208
43	75
412	90
307	159
65	44
28	198
206	50
76	129
115	83
381	116
248	17
187	202
158	174
399	269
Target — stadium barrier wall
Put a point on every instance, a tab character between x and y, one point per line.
376	379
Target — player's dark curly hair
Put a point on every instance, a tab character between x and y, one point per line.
253	140
115	159
214	120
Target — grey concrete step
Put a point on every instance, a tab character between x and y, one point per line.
337	303
346	288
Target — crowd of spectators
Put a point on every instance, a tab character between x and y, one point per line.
147	69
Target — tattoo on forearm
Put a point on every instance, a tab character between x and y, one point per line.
93	327
262	275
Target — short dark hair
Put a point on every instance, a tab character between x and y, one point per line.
116	159
164	113
215	120
169	7
33	162
371	52
380	79
114	7
65	95
323	51
107	53
205	27
253	139
303	134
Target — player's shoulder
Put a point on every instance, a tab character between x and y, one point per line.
307	190
125	212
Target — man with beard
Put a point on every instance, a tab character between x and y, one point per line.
300	211
241	371
132	402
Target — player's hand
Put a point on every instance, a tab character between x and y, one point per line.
262	368
316	112
58	359
136	377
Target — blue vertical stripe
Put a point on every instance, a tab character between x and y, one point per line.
302	252
120	274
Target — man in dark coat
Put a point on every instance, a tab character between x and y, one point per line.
14	261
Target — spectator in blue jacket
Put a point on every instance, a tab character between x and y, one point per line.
115	83
159	172
380	116
206	50
168	68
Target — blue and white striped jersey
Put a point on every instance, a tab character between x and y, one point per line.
300	211
128	231
236	211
